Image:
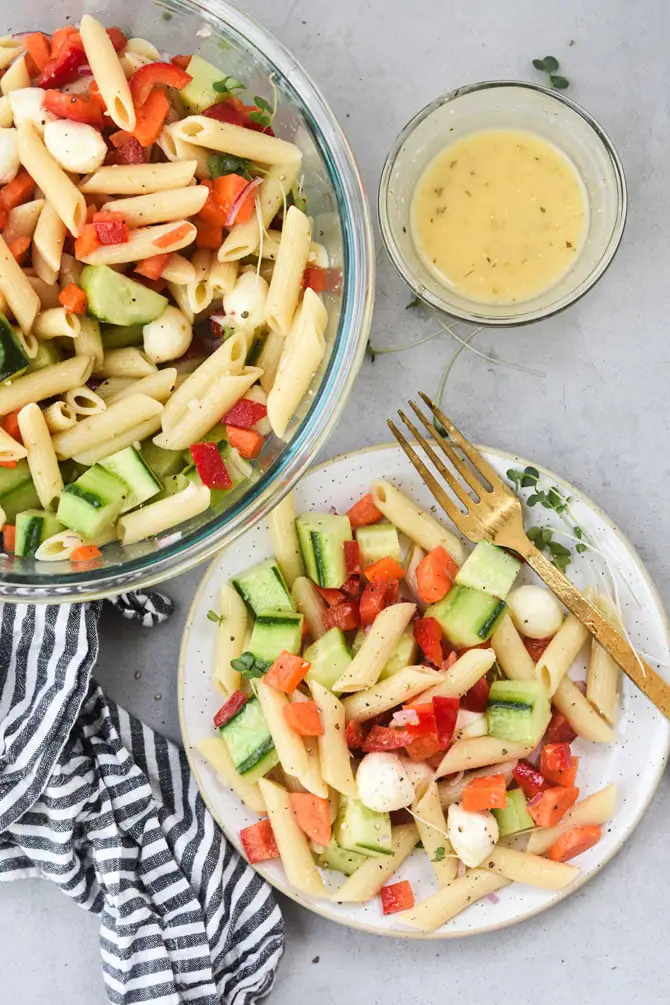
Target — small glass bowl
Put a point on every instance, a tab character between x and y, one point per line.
505	104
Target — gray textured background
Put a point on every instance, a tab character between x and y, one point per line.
599	415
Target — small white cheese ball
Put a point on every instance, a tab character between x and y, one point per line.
244	306
9	156
472	835
383	784
168	337
418	772
27	105
535	612
76	146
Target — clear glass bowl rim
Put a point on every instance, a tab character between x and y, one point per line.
480	318
341	372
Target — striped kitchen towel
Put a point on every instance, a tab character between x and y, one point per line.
107	809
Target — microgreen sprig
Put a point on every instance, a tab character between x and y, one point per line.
228	85
440	854
551	499
218	619
250	666
220	164
549	65
266	111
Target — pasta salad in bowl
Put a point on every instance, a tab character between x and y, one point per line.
185	293
394	726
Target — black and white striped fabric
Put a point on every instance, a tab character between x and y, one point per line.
107	809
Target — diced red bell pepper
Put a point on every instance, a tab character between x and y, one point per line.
426	725
152	268
423	747
304	718
245	413
549	807
65	66
364	512
151	75
529	779
129	153
259	842
345	616
382	738
476	698
110	227
287	671
352	557
312	814
315	278
213	472
536	648
376	597
76	107
574	842
384	569
117	38
233	110
488	793
332	597
230	708
181	61
151	117
9	534
446	714
428	635
352	586
397	897
247	442
558	765
559	730
434	575
355	735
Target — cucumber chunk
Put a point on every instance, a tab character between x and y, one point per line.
13	357
321	537
518	711
122	336
162	462
404	655
467	617
378	541
131	469
275	632
118	300
248	739
12	478
23	497
489	569
514	817
32	527
362	830
262	588
329	657
92	503
47	354
339	859
199	93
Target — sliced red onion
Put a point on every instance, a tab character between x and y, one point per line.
580	685
457	779
537	798
492	897
405	717
460	871
85	70
235	208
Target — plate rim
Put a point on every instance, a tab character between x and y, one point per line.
368	928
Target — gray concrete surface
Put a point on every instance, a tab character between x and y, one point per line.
600	415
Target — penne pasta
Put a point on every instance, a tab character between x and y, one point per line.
16	75
63	195
436	910
15	287
603	681
49	237
333	750
215	752
178	270
160	207
59	416
177	149
127	437
229	139
158	385
289	746
511	654
107	73
200	292
247	238
432	827
42	460
128	362
477	752
138	179
162	515
451	792
372	875
595	810
22	220
562	651
286	282
303	350
418	525
293	847
268	361
10	449
57	323
581	715
386	694
307	600
48	382
83	401
89	341
285	545
205	410
97	430
227	359
47	292
141	244
463	675
223	276
230	635
532	870
45	275
380	642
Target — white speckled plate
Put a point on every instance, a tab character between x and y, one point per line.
635	763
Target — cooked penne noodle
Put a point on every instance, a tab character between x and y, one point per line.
246	238
595	810
223	276
180	296
532	870
307	600
158	385
141	244
15	287
380	641
285	545
59	416
563	649
511	654
227	359
10	49
256	393
107	73
603	681
59	547
215	752
48	382
22	220
200	292
204	411
177	149
15	76
436	910
47	292
10	449
230	635
63	195
478	751
581	715
99	429
293	846
178	270
124	438
268	361
89	341
286	283
138	179
128	362
113	385
289	746
6	118
386	694
83	401
162	515
49	237
229	139
373	874
333	750
144	47
463	675
418	525
160	207
451	792
45	275
70	270
302	353
42	460
317	254
432	827
57	323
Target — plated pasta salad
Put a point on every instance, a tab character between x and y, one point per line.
388	695
160	292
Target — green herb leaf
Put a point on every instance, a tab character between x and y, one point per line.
538	64
560	83
369	351
220	164
440	854
228	85
414	302
260	118
250	666
581	548
263	104
298	199
550	64
218	619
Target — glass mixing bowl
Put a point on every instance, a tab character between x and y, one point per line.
242	48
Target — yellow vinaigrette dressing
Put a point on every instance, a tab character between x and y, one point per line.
499	216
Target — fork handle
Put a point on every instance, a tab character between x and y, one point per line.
648	681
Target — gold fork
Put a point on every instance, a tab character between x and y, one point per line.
494	514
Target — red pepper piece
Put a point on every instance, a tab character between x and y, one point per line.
426	726
213	472
110	227
76	107
352	557
397	897
428	635
259	842
559	730
383	738
230	708
558	765
129	153
233	110
153	75
352	586
446	714
423	747
536	647
376	597
345	616
529	778
355	735
117	38
245	413
65	66
476	698
332	597
315	278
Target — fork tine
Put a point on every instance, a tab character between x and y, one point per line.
448	476
482	466
465	472
445	502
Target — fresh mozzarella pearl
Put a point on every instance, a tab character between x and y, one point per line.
244	306
472	835
27	105
535	612
76	146
168	337
383	783
418	772
9	156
